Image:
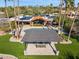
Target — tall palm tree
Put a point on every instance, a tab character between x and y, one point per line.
18	11
19	28
6	11
61	4
69	4
71	28
16	25
15	13
73	22
63	14
78	6
18	6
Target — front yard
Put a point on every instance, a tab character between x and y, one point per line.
17	49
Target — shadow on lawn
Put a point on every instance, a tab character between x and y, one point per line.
77	56
69	55
73	36
76	37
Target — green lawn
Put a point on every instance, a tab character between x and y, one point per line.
17	49
7	47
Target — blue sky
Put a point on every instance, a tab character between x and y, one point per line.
35	2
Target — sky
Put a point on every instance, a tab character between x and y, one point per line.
35	2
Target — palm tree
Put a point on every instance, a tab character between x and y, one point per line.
14	12
18	12
6	11
71	28
16	25
78	6
73	22
61	4
18	6
69	4
19	28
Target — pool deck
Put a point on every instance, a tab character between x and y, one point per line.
32	50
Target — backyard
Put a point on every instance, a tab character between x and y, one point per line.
63	15
16	49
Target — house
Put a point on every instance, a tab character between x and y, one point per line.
2	14
71	14
3	22
31	20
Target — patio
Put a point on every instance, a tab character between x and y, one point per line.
40	41
42	49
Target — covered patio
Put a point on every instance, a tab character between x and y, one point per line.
40	42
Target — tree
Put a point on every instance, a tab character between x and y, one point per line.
6	11
69	4
60	7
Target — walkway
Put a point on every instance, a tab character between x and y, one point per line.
5	56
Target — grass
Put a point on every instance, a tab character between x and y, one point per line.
7	47
71	48
17	49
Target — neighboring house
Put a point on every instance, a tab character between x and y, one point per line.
70	14
4	19
2	12
33	19
63	11
4	22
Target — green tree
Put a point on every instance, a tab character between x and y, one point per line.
69	4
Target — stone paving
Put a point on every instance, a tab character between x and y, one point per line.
32	50
6	56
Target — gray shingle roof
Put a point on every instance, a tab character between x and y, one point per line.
40	35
